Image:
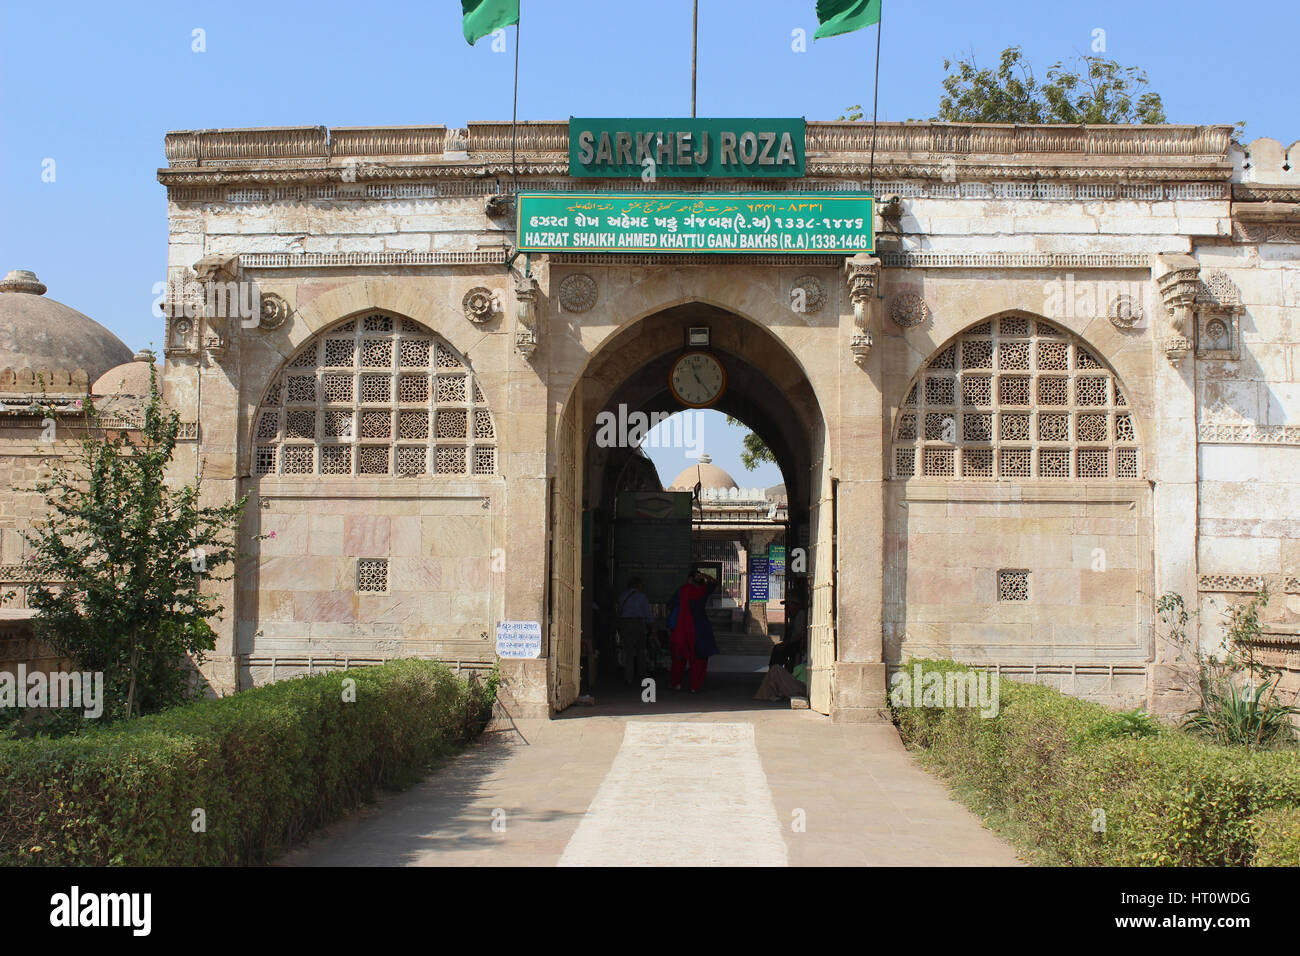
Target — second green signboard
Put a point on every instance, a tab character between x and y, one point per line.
825	223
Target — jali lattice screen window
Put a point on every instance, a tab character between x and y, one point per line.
376	395
1012	398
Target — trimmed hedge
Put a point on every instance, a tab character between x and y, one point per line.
266	766
1048	761
1277	837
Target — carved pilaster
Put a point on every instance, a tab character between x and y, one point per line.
1178	278
526	289
861	275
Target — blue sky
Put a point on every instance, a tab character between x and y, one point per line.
94	86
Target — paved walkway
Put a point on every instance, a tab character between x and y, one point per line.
663	784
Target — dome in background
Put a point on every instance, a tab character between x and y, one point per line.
707	474
130	380
40	333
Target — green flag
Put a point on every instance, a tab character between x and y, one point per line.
484	16
845	16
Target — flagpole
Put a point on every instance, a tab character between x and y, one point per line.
514	117
875	100
695	40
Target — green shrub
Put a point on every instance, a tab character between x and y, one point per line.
1127	723
1277	837
266	766
1246	716
1073	791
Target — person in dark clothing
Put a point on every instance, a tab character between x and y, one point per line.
795	643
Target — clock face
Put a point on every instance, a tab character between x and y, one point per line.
697	379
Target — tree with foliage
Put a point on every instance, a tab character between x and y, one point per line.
1090	89
120	560
754	450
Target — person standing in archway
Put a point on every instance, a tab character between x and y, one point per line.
692	633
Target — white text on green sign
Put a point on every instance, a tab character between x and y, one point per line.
821	223
665	148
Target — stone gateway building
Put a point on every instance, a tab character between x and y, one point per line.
1064	383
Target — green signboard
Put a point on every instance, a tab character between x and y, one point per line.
652	541
825	223
776	558
651	149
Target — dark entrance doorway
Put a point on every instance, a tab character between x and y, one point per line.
629	375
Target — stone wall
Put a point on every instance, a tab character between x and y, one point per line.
1091	228
1248	390
1044	580
369	572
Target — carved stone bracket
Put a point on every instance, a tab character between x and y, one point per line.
1178	278
526	289
861	275
214	326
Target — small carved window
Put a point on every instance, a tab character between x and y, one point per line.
1013	585
375	396
372	575
1015	398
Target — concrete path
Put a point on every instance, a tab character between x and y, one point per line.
745	784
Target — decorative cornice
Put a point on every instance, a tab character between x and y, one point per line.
895	260
1192	143
1230	583
319	260
1264	192
1029	171
690	259
442	184
1016	260
16	574
34	382
1247	433
930	151
1255	232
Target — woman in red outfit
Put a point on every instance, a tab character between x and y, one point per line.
692	636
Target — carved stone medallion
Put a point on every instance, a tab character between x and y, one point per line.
909	310
809	289
478	304
274	312
578	293
1125	311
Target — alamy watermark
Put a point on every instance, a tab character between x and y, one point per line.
76	690
975	689
626	428
1129	303
236	299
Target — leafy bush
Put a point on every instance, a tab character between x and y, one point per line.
1277	837
266	766
1127	723
1071	794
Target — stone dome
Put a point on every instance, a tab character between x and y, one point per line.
707	474
130	380
40	333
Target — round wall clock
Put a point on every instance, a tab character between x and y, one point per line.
697	379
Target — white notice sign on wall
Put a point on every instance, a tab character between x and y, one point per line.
519	639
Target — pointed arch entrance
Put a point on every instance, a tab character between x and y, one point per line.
766	388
